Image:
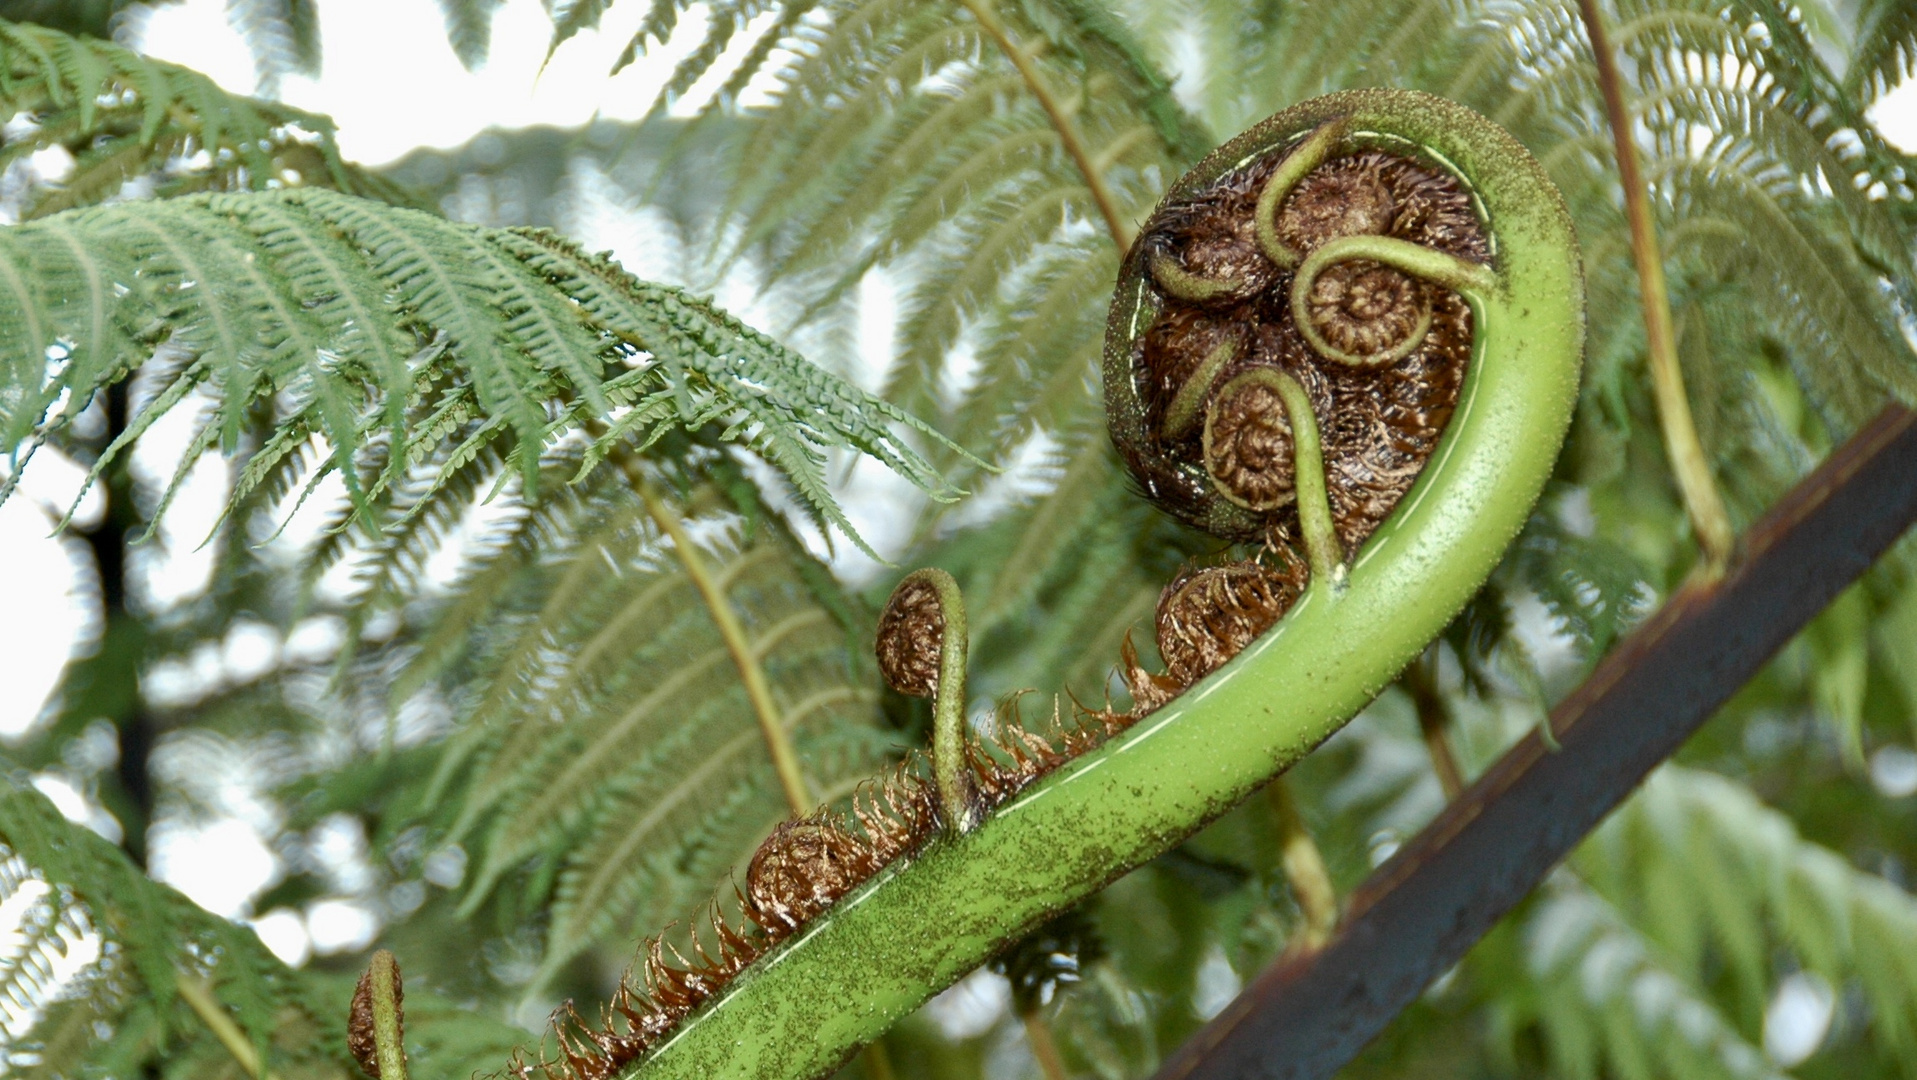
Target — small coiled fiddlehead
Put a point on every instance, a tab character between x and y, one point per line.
1420	485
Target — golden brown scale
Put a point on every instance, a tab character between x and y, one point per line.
911	628
1378	425
1215	238
1207	616
801	868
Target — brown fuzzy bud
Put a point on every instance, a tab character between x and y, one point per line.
801	869
1206	617
1248	446
1368	310
911	632
360	1038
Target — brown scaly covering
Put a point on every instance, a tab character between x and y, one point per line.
1378	425
803	868
910	630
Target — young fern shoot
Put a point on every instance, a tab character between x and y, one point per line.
1357	329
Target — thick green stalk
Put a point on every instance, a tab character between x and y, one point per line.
921	924
1689	463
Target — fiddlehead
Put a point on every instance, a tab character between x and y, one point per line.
1434	441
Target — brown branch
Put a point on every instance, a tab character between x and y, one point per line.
1689	464
988	20
1306	1016
1420	680
778	743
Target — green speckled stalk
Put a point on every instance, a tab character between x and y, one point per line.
807	1006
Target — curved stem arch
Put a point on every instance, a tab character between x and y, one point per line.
921	924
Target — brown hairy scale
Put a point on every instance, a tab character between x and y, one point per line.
1222	246
1377	425
911	628
1247	446
360	1041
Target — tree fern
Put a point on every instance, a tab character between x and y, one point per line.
122	116
605	738
170	972
401	337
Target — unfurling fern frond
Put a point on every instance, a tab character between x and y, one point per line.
402	341
122	115
607	737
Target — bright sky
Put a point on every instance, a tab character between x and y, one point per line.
392	84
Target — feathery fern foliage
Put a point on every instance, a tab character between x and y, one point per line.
175	989
608	766
124	116
403	341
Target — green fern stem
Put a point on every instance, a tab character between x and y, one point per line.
1689	463
213	1015
950	770
1322	550
924	922
388	1024
1305	870
1310	154
785	760
1122	231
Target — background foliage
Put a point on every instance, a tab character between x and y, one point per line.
549	749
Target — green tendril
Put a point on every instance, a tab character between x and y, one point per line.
1188	407
958	792
1311	153
1322	550
1189	287
1474	281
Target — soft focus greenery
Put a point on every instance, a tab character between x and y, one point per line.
542	741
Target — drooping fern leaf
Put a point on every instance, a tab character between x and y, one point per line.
122	115
400	339
1718	880
605	736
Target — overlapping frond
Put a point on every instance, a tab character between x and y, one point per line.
402	341
605	732
123	116
1608	1005
1718	880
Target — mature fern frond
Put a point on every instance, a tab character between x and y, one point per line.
160	938
164	963
283	36
122	115
1886	50
605	734
401	339
1717	878
1607	1005
469	27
